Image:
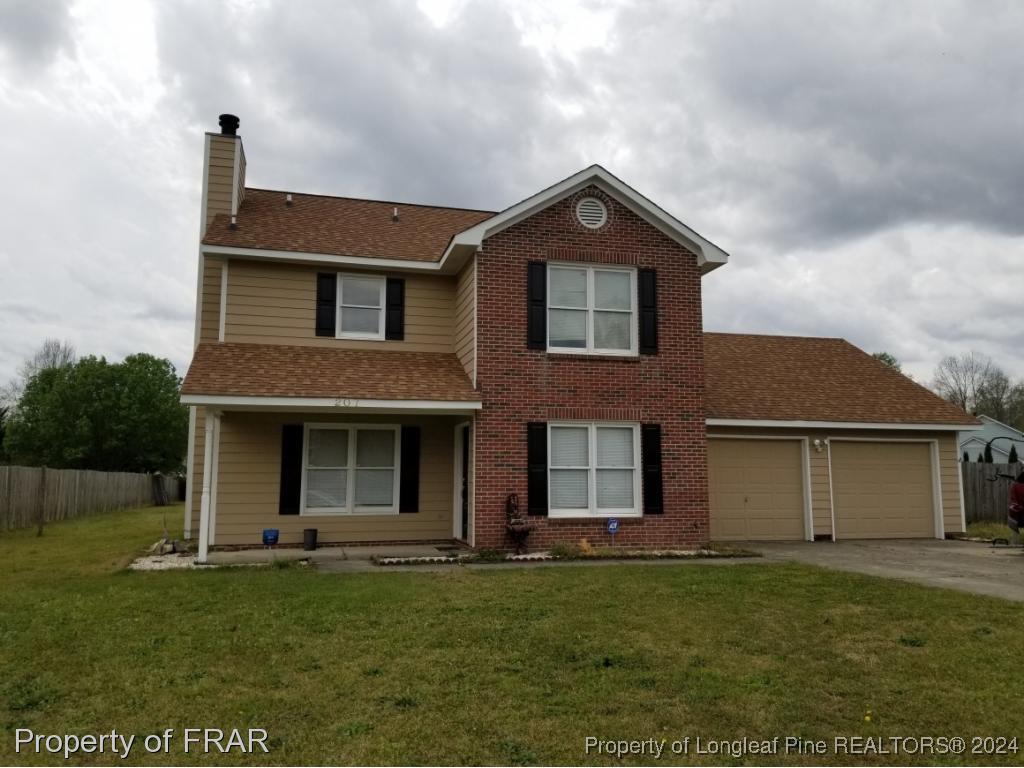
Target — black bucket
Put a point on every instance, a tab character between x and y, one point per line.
309	539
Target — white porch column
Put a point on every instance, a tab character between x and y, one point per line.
212	418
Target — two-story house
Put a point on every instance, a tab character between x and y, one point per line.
388	372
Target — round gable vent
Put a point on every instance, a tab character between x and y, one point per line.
591	213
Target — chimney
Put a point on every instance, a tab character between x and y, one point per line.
223	172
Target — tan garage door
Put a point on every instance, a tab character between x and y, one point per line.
757	489
882	490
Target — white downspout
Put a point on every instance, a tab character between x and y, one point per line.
204	504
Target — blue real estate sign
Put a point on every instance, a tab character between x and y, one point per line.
613	525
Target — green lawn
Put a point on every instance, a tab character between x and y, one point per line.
502	666
989	531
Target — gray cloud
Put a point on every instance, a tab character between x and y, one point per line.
32	32
861	162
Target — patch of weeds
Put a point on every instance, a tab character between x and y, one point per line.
309	665
489	556
564	551
406	702
912	642
354	728
517	754
981	631
373	672
698	662
26	695
646	682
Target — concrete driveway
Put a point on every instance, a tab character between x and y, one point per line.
964	565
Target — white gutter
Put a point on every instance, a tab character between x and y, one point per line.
341	404
840	425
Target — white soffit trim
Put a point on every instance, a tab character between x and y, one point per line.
251	402
709	255
840	425
324	258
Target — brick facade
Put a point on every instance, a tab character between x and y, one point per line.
520	385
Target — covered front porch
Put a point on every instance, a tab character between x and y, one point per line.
343	442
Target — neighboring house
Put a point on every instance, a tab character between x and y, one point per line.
974	442
388	372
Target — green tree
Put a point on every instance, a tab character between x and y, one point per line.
98	415
988	453
888	359
1012	458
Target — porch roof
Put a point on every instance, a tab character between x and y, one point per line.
267	374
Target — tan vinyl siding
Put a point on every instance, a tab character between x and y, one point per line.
949	484
210	312
465	318
221	178
249	483
197	469
821	508
275	304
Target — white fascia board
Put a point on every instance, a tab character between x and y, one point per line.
840	425
709	255
250	402
323	258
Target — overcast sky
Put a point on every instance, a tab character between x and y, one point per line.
863	163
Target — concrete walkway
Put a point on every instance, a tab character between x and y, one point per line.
964	565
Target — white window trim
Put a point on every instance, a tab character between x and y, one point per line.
593	511
339	333
350	509
590	309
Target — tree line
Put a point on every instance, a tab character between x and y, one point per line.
67	412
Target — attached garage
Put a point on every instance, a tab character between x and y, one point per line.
758	489
883	489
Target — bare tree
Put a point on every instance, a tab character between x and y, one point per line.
53	353
994	396
959	379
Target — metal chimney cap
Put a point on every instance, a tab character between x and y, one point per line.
229	124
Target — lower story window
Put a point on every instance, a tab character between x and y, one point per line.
350	469
592	470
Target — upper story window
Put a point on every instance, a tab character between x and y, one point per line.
361	307
591	310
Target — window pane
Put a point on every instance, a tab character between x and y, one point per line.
375	448
614	447
568	287
569	447
611	330
358	290
374	487
567	328
328	448
569	488
326	488
615	488
612	290
360	320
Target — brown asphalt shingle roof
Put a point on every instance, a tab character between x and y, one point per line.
341	226
795	378
274	370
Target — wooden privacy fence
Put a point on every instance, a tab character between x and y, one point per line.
985	500
31	494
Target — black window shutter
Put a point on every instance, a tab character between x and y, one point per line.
291	469
647	288
326	303
394	317
409	470
537	468
536	305
650	462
